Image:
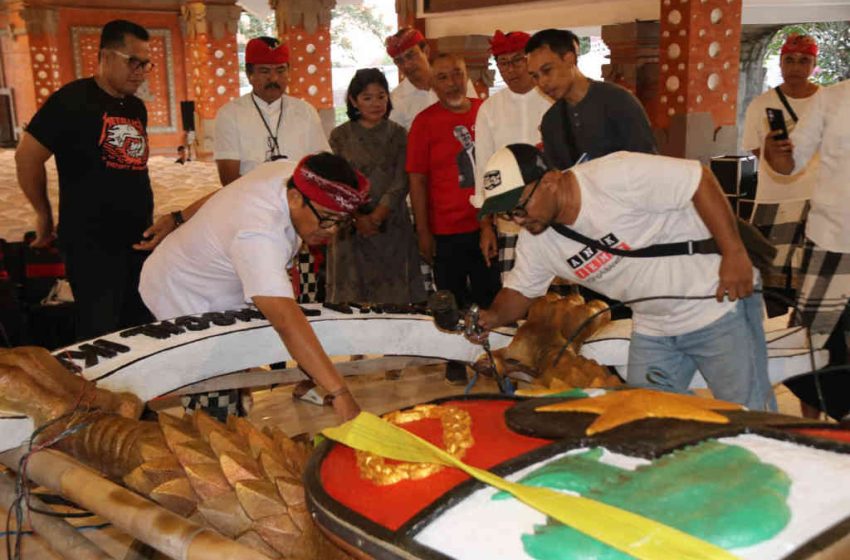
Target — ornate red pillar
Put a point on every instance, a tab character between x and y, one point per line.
213	65
698	81
305	26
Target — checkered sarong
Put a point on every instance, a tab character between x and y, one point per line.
825	291
507	252
218	404
308	276
784	225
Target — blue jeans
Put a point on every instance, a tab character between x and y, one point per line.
730	353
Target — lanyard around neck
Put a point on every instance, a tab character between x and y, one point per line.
272	135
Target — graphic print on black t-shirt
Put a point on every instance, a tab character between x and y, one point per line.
465	158
589	260
123	143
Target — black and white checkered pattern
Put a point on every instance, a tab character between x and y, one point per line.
218	404
507	252
825	290
308	276
784	225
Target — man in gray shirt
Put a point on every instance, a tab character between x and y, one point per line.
588	117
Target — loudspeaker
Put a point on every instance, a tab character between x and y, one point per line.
736	174
187	112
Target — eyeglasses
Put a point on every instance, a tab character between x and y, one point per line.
519	210
514	62
326	221
134	63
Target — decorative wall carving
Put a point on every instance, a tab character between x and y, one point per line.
307	14
40	21
217	21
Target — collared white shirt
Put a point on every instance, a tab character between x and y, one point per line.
825	128
408	101
506	118
236	247
241	135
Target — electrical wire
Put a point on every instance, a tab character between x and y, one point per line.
783	299
78	418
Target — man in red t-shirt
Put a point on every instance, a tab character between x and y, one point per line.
441	165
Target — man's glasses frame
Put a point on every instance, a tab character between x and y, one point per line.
519	211
514	62
135	64
325	221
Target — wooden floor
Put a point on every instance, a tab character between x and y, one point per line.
275	406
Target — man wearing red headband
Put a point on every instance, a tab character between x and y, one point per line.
265	124
410	52
782	202
509	116
236	248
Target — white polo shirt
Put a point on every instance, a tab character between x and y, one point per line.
408	101
631	200
241	135
235	247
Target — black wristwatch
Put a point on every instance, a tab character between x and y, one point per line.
178	217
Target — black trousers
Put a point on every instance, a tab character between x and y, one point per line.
105	283
459	267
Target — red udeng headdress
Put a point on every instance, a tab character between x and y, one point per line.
403	40
258	51
801	44
333	195
513	41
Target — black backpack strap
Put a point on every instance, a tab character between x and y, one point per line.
701	247
784	101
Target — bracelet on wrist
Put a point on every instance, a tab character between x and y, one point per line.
177	215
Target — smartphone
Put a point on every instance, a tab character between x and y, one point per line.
776	120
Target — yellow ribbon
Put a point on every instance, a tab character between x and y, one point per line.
628	532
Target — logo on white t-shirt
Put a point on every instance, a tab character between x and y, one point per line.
589	261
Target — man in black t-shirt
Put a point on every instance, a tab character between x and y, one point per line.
588	117
97	130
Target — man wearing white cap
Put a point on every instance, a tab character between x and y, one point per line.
581	224
509	116
266	124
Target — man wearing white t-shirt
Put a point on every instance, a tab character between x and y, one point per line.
410	52
710	319
266	124
236	248
782	201
509	116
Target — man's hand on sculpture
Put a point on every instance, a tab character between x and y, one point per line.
154	235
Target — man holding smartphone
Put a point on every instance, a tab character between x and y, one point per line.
782	202
824	130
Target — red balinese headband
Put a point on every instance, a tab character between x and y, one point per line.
513	41
403	40
258	51
333	195
800	44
